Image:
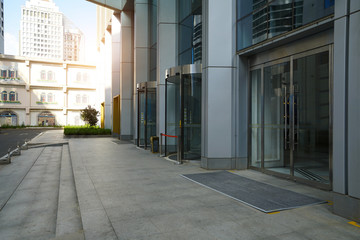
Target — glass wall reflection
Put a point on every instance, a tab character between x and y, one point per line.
259	20
190	32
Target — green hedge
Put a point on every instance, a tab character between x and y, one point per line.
85	130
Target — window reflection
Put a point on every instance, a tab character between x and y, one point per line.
190	32
259	20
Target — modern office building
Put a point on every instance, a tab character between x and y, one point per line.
74	42
46	33
44	92
41	30
269	85
2	27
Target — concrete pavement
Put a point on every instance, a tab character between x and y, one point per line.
102	188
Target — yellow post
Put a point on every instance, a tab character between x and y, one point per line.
102	114
116	114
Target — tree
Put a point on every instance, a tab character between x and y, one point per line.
90	115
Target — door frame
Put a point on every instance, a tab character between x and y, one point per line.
116	115
145	89
291	59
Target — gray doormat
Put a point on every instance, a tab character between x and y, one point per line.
261	196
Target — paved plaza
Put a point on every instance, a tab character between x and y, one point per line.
104	188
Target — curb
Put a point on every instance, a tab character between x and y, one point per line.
87	136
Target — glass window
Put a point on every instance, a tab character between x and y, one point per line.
12	96
190	32
85	77
185	34
244	8
43	97
186	57
78	77
50	97
153	22
244	33
85	99
4	96
184	9
3	73
43	75
50	75
78	98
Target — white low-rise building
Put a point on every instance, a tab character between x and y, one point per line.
38	92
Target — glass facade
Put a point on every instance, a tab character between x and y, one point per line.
190	32
259	20
290	117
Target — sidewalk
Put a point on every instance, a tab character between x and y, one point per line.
101	188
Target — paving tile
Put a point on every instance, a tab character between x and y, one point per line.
135	228
97	225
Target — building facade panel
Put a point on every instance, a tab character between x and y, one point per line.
353	109
47	75
81	77
47	98
74	118
79	99
13	96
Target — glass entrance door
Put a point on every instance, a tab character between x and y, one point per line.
146	113
183	112
277	117
289	120
311	117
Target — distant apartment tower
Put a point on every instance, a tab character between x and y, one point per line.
73	42
41	30
2	28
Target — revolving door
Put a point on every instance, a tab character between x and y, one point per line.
146	124
183	111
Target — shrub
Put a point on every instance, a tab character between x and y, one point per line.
85	130
90	115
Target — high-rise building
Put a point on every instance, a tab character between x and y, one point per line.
41	30
73	42
2	28
46	33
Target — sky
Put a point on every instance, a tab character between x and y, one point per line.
81	12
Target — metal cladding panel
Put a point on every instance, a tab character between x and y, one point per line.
353	108
112	4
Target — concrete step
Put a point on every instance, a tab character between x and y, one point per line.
68	222
95	221
30	212
13	174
